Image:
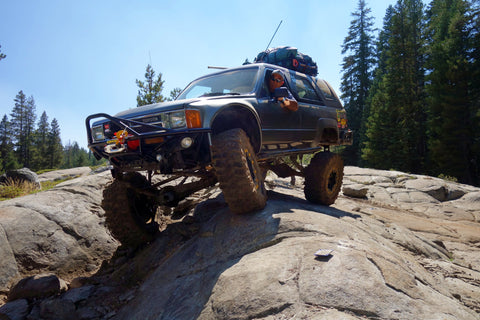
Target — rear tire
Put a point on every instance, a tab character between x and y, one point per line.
323	178
238	172
130	215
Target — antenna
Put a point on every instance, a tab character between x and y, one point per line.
274	35
214	67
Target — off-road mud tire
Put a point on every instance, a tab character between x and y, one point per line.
129	215
238	172
323	178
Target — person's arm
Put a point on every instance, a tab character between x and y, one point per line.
289	103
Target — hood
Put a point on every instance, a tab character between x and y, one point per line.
214	101
154	108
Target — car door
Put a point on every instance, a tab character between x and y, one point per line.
278	124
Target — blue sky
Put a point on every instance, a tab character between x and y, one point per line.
82	57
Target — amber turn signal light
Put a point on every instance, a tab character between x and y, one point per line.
193	118
154	140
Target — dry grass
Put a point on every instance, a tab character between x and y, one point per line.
14	188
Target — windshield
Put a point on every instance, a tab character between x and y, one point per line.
229	83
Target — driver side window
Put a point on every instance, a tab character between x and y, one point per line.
264	92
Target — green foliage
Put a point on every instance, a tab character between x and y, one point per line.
174	94
54	146
422	113
22	144
74	156
7	157
22	124
40	146
47	185
357	75
447	178
150	90
13	188
396	124
453	104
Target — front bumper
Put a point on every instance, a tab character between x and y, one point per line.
147	146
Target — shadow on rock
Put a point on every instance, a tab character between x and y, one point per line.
181	267
295	202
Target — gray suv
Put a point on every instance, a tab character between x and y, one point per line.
225	127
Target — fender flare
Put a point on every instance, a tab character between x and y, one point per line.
246	115
325	125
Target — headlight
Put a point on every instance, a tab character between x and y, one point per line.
177	119
97	133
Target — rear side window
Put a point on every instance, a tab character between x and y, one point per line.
326	90
331	98
305	90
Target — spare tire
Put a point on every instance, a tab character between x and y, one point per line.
323	178
238	172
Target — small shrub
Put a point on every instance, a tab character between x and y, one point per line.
13	188
448	178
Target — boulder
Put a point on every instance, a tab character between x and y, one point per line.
355	190
61	230
39	286
58	310
263	266
433	187
15	310
8	264
21	175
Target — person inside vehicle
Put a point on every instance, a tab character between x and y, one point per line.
277	80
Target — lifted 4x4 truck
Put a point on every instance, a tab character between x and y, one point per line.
224	127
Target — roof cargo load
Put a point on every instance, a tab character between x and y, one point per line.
290	58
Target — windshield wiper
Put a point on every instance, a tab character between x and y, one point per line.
214	94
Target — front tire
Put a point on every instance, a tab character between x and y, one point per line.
129	214
240	177
323	178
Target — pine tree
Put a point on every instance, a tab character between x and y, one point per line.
150	91
375	117
357	74
22	124
4	141
475	90
40	157
54	145
396	125
453	122
81	157
17	124
174	94
7	157
74	156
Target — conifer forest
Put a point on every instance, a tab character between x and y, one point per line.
412	90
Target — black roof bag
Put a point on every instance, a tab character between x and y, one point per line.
290	58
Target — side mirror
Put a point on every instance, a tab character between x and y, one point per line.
280	92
